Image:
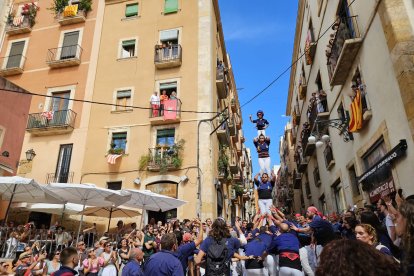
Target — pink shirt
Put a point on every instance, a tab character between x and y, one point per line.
95	264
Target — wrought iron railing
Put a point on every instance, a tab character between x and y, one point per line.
51	119
157	110
168	53
69	14
65	177
347	28
163	157
64	53
11	62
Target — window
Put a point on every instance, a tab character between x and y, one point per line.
70	45
311	32
128	48
131	10
123	100
169	87
119	140
341	112
316	177
357	81
114	185
339	197
322	204
354	181
166	137
170	6
62	167
318	81
15	55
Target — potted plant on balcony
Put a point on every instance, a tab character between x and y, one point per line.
113	150
58	6
222	162
30	10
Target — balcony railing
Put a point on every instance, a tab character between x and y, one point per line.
343	50
19	25
71	15
64	56
234	167
221	83
167	113
329	160
51	122
12	65
163	158
66	177
168	56
223	132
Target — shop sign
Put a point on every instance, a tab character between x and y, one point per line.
167	189
396	152
382	190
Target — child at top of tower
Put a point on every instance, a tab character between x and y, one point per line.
261	123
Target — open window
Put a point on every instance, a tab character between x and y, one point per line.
128	48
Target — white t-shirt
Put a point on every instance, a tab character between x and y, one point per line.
155	99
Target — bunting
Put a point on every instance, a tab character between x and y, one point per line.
111	158
70	10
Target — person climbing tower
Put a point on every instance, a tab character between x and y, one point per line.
261	123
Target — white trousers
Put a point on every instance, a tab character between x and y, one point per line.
264	207
271	266
260	132
264	164
288	271
256	271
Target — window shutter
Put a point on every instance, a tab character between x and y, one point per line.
119	135
166	132
15	55
123	94
171	6
127	43
168	85
169	35
69	45
131	10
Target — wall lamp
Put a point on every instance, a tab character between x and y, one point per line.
319	136
30	155
5	153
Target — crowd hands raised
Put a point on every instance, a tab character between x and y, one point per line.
375	240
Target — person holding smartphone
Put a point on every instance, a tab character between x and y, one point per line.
149	243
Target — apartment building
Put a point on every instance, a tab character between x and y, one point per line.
188	146
350	100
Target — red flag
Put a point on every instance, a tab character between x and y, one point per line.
355	122
170	109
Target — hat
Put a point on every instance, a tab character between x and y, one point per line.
187	237
25	255
297	215
103	238
313	209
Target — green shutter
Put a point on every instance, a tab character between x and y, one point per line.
131	10
127	43
169	132
123	94
171	6
119	135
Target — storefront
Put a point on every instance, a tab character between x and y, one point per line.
163	188
377	180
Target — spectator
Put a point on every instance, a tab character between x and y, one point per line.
404	228
367	234
163	97
52	263
69	259
92	264
149	243
133	268
155	104
62	238
110	261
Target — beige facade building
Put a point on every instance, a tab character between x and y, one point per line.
357	77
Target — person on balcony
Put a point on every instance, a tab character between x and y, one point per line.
155	104
262	146
163	97
261	123
321	101
173	96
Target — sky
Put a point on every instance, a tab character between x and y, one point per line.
259	39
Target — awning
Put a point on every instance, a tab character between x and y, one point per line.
396	152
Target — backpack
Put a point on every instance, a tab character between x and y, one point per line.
217	263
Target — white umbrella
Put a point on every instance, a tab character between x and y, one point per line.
111	212
88	194
57	209
147	200
20	189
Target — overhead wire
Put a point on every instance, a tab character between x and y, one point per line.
288	68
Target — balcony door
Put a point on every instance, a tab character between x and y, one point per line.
60	106
63	164
15	54
69	46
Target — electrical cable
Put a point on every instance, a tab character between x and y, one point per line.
287	69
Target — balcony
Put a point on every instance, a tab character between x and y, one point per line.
18	25
238	121
64	56
163	158
309	147
329	160
303	164
221	83
317	177
223	134
51	122
12	65
232	126
297	181
296	115
344	49
71	15
233	105
168	56
170	114
234	167
303	88
63	177
239	149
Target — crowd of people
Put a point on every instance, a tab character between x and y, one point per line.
377	240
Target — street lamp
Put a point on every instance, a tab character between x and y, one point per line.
30	154
319	138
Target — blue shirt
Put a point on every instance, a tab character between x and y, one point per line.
183	252
163	263
256	248
132	268
65	271
285	242
261	123
233	245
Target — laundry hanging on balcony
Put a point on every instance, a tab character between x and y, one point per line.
355	123
170	109
18	20
111	158
48	115
70	10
